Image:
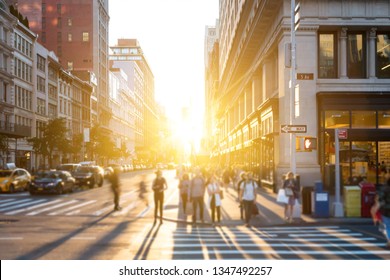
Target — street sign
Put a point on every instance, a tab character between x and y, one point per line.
305	76
293	128
343	133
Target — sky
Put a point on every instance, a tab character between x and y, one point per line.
171	34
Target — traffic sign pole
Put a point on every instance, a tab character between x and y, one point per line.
338	210
292	90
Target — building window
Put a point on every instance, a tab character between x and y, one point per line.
70	22
59	7
383	56
41	61
327	53
41	106
59	51
384	120
70	38
43	23
41	84
59	37
70	65
363	119
43	8
337	119
59	22
85	37
356	57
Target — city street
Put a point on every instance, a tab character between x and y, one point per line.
83	225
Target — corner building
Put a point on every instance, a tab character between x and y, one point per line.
343	47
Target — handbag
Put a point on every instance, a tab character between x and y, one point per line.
281	197
289	192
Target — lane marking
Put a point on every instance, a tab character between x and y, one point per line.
208	231
235	234
5	200
51	208
32	207
71	208
197	238
325	234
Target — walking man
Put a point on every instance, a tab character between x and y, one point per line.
197	192
248	194
159	186
115	187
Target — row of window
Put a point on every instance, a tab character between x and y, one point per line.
23	70
357	119
356	55
84	36
44	8
23	45
23	121
23	98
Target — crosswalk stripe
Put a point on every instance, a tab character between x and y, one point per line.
6	200
235	234
223	245
14	202
330	239
111	207
143	212
125	210
324	234
270	231
72	208
279	252
32	207
51	208
23	204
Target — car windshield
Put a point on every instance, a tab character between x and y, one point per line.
50	175
5	173
65	167
84	169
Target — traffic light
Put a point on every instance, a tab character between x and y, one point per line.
310	143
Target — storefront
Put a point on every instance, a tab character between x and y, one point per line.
365	151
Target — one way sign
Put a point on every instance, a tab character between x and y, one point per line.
293	128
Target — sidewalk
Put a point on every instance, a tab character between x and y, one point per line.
271	212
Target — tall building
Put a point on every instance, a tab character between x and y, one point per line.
128	56
77	31
211	85
343	81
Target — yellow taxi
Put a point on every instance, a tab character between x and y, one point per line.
17	179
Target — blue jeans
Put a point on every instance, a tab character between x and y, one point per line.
386	222
248	204
197	201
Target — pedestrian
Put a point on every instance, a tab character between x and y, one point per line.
226	178
184	188
243	177
159	186
381	210
115	187
290	185
214	191
142	190
197	191
248	195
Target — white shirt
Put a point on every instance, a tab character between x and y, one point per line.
249	190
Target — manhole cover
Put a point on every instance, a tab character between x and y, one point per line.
7	221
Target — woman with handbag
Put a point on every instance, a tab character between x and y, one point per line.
290	185
214	191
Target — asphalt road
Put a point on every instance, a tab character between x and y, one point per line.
83	226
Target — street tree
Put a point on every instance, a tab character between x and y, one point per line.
101	147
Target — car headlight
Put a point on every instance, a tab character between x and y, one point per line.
50	185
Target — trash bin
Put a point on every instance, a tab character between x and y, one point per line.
368	191
352	201
306	199
321	204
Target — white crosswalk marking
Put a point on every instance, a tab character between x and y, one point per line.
32	207
23	204
51	208
72	208
239	242
6	200
14	202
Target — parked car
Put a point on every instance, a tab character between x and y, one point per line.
18	179
89	176
70	167
52	182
